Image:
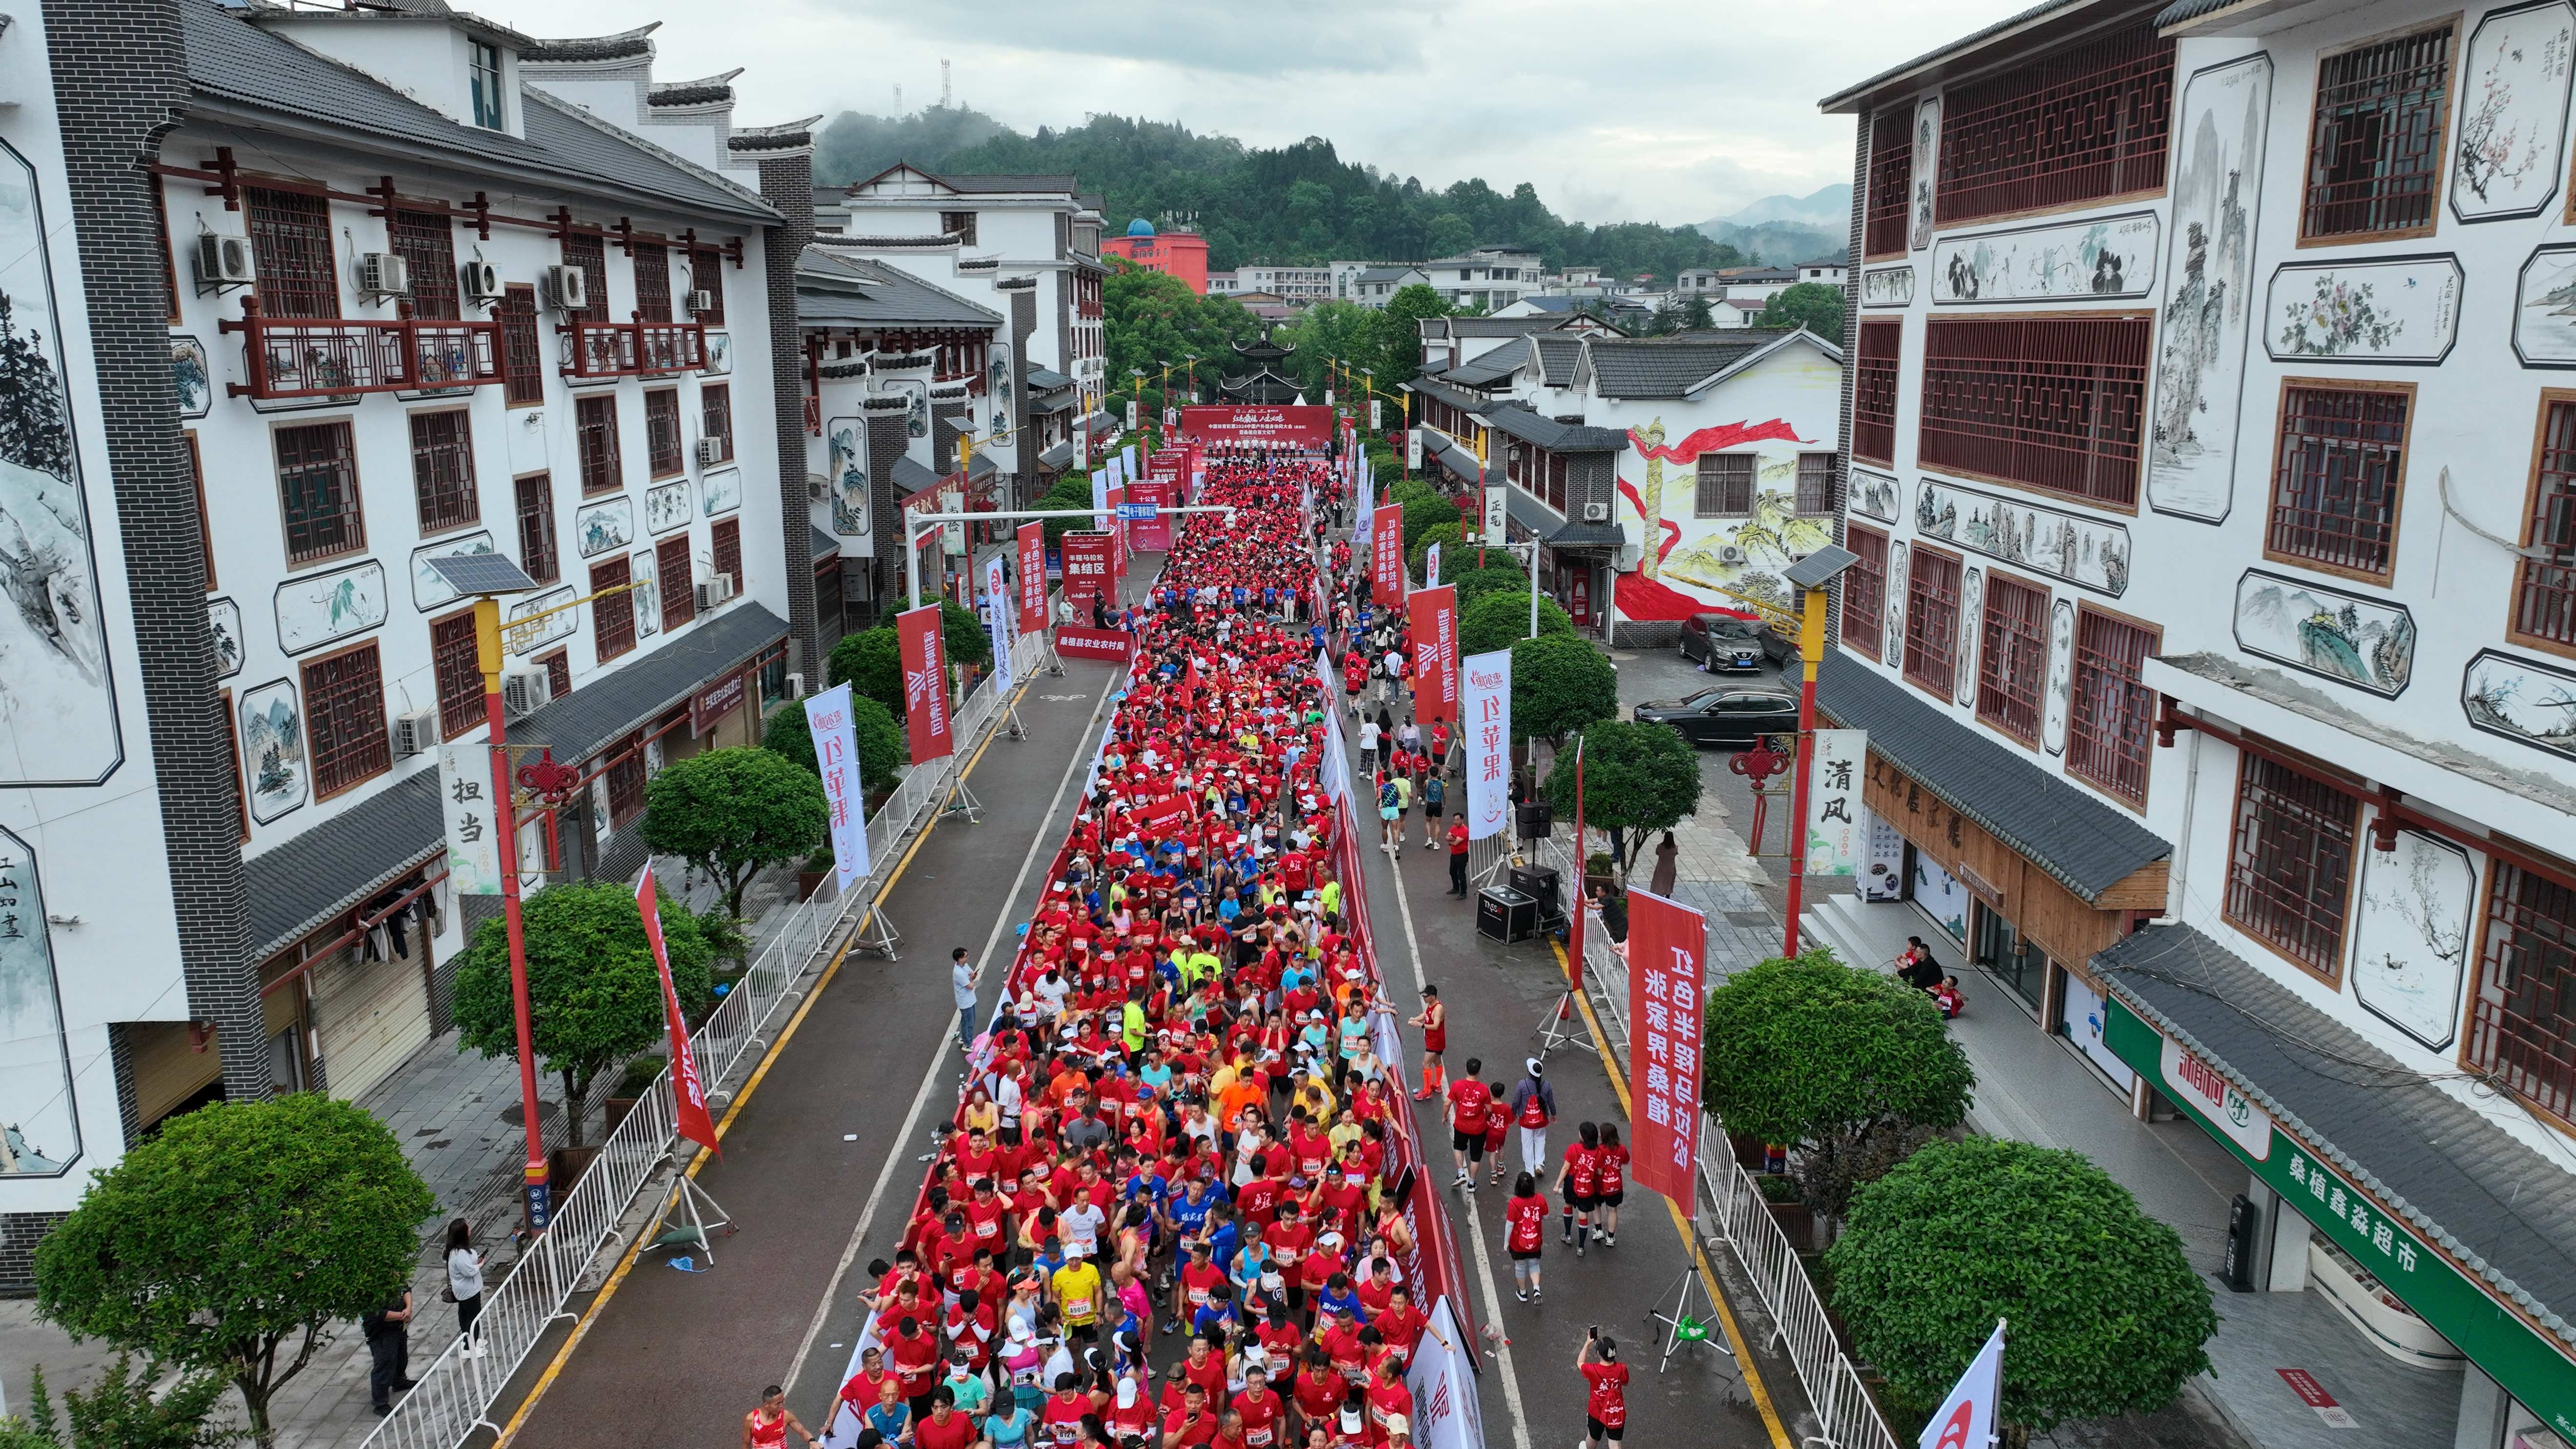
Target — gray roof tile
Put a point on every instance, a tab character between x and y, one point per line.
837	287
1646	367
2506	1207
1556	357
1526	424
2085	842
825	545
1503	326
1491	367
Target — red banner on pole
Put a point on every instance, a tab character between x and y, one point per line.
1386	555
688	1090
1432	620
1117	533
1667	961
925	683
1033	605
1153	535
1086	568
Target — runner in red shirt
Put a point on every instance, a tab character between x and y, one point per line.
1579	1179
1388	1398
1470	1104
1526	1214
1061	1420
1498	1124
1264	1413
1612	1168
943	1427
1193	1424
1318	1391
1605	1409
1434	1022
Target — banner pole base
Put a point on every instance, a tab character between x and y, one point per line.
962	801
1558	1028
1683	1329
876	934
694	1214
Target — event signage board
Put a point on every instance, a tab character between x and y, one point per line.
1264	427
925	683
473	840
1087	568
1117	529
836	756
1837	836
1432	624
1485	702
1107	645
997	619
1149	529
1667	962
1033	576
1386	555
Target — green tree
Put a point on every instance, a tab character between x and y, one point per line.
1811	305
884	749
1444	534
962	634
594	997
231	1241
121	1411
1698	315
1497	575
1424	512
1635	778
2105	1314
731	812
871	663
1849	1068
1073	490
1560	683
1149	319
1496	620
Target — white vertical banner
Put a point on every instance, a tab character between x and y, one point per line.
1442	1376
1367	488
1336	765
997	620
1431	566
1485	719
1100	500
1837	833
1127	463
1883	879
1375	425
1131	415
1413	449
1968	1418
1496	523
473	839
836	754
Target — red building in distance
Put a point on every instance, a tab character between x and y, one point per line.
1181	254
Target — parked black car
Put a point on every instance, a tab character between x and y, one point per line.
1724	716
1727	644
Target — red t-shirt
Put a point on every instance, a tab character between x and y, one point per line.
957	1433
1608	1401
1387	1398
1582	1170
1319	1394
1469	1102
1528	1217
1202	1432
1261	1427
1062	1420
1611	1165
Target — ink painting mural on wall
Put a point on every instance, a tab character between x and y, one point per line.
2208	277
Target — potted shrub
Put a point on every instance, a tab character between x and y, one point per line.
631	1086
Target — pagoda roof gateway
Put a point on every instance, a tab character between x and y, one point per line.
1264	351
1264	385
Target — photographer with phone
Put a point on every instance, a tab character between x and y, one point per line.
1606	1408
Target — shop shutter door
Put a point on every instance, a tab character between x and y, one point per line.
370	1015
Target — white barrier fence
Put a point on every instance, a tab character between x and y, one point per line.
1733	1210
454	1395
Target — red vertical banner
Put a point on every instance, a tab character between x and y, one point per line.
688	1089
925	683
1117	533
1086	568
1033	606
1152	535
1386	555
1432	620
1667	962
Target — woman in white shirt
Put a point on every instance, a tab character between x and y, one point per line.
465	1282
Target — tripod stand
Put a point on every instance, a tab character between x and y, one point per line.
1682	1328
691	1218
1557	1027
876	933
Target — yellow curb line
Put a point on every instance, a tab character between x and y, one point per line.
1690	1238
741	1099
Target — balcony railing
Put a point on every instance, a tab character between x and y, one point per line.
335	357
633	349
814	416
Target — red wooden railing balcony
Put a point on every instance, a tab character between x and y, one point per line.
633	349
334	357
814	415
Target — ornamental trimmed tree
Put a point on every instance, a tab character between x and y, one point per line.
730	812
1560	683
1635	778
1497	575
2104	1315
1848	1068
1500	620
884	750
594	998
963	635
871	663
1447	535
234	1239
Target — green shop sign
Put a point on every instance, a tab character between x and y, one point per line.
2454	1301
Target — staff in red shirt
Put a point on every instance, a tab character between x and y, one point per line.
1526	1215
1612	1167
1471	1106
1578	1177
1605	1409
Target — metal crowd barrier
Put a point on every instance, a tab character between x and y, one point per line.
454	1395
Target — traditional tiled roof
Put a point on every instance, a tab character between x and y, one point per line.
840	289
693	92
1491	367
1517	421
624	45
1649	367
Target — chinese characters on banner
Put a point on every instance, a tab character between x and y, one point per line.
836	755
1386	555
1374	424
1086	568
688	1090
925	682
1133	421
1117	533
1667	955
1033	605
1432	620
1494	528
1431	566
1837	834
473	844
997	620
1413	450
1485	702
1152	535
1302	426
1100	500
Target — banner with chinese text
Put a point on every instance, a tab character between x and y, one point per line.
473	838
1117	532
1837	825
836	755
1086	569
1386	555
1432	625
925	683
1033	576
997	620
1485	704
688	1089
1667	961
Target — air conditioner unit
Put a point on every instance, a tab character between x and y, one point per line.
725	588
525	689
701	302
715	590
415	733
568	288
1596	513
816	490
384	274
481	281
1730	554
712	451
224	261
795	684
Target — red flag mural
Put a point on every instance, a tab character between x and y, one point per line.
1033	605
688	1090
1432	624
925	683
1667	961
1386	555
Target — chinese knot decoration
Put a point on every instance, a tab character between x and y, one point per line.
1758	764
548	781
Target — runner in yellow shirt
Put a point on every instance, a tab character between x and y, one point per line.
1077	1297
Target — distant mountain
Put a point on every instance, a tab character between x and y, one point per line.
1786	229
1826	206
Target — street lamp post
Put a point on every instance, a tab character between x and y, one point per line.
1808	576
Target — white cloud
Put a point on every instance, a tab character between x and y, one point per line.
1617	110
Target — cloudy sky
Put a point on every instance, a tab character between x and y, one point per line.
1649	110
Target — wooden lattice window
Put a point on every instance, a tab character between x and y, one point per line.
2052	403
317	486
595	435
2084	125
1874	392
2289	876
458	667
590	254
2112	714
537	551
673	574
652	282
715	416
959	224
706	274
523	359
725	546
2338	475
1865	591
662	450
2544	595
612	616
2525	1026
442	470
2012	664
1815	484
344	720
2375	144
1557	469
558	673
290	243
624	774
1725	486
1891	183
426	241
1932	620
